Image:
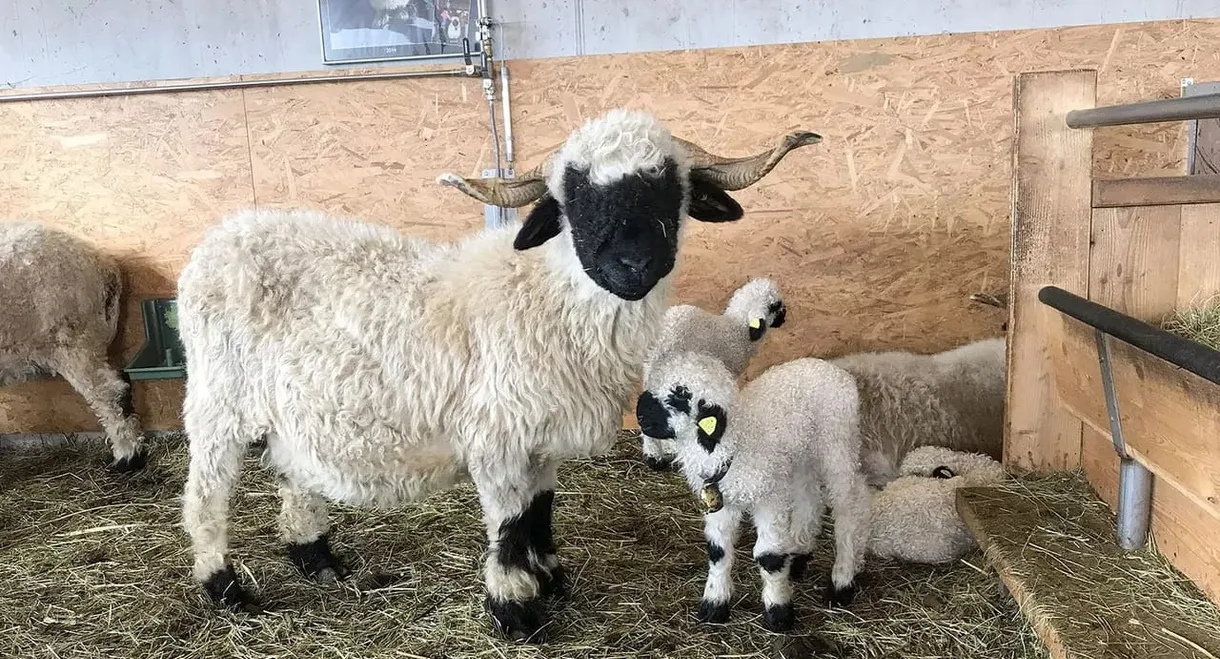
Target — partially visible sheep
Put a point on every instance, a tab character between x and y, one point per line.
733	337
953	398
914	519
779	450
61	310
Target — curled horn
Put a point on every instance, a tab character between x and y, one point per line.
504	192
730	174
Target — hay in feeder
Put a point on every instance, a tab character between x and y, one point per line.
97	566
1199	323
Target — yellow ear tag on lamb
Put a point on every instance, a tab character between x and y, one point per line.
708	425
756	323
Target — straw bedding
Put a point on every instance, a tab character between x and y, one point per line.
94	565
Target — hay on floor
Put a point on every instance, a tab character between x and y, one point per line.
1199	323
98	566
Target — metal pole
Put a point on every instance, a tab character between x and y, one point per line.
235	84
1134	479
1184	108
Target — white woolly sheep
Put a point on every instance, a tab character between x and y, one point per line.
780	450
914	518
733	337
381	368
953	398
61	299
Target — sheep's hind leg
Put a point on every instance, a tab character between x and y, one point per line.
806	527
517	499
110	399
305	531
773	551
850	502
720	529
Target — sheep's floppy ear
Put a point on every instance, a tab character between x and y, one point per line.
708	203
942	472
757	328
711	421
541	225
781	313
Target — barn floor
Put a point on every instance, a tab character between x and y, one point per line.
97	566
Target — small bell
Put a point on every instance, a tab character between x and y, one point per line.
711	497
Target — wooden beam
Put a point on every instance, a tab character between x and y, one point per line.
1198	263
1051	214
1156	191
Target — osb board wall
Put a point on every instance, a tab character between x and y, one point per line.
877	236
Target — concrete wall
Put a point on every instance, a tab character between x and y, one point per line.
89	41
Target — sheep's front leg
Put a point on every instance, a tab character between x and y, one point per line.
305	531
773	551
109	398
720	529
517	498
659	454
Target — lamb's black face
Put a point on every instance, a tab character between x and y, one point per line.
625	232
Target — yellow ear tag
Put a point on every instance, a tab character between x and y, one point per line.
708	424
756	323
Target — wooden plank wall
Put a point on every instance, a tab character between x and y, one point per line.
877	236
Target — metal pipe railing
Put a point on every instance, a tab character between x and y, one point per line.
1179	351
465	72
1186	108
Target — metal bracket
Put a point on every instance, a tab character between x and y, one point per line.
1134	479
1107	385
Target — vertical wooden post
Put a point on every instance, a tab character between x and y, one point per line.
1051	219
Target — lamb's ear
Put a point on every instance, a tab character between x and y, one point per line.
712	422
780	312
942	472
708	203
542	224
757	328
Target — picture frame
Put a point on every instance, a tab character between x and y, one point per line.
360	31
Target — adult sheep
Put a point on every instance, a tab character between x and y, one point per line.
380	367
61	299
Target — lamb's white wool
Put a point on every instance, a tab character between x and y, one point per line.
733	337
780	450
914	518
61	299
380	368
953	398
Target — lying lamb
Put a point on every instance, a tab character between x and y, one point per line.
914	518
954	398
61	302
780	449
733	337
381	367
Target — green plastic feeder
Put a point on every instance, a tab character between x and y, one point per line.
162	357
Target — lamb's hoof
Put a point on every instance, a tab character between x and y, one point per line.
520	621
799	566
713	612
224	589
134	462
554	584
779	618
316	561
658	464
841	597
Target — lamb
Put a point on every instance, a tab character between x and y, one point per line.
61	298
733	337
954	398
779	449
380	368
914	519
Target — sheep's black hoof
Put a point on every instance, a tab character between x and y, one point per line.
779	618
712	612
520	621
799	566
316	561
658	464
224	589
134	462
841	597
554	584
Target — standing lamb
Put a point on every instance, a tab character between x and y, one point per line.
61	299
915	519
779	450
953	398
732	337
381	368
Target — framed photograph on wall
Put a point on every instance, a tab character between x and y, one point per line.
356	31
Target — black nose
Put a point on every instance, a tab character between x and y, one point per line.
637	263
